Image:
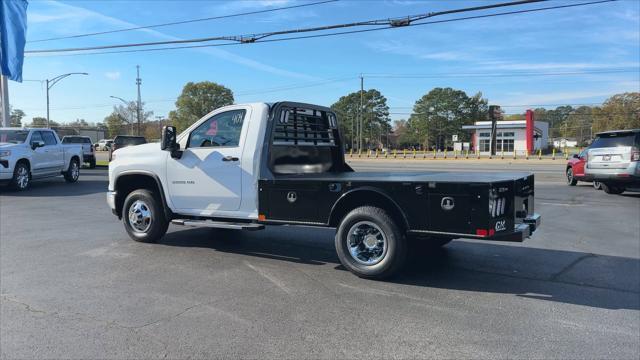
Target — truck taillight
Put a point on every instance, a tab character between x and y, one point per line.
635	155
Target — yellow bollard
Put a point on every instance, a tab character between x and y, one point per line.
502	154
404	153
466	154
553	156
395	153
445	153
566	153
359	152
455	154
434	153
414	153
526	154
514	154
539	154
376	153
477	153
351	152
386	154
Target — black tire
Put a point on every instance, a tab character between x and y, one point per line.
73	172
21	177
144	200
570	179
611	189
92	163
376	222
597	185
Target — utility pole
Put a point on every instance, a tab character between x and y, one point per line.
139	107
361	111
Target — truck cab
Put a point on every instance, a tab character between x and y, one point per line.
252	165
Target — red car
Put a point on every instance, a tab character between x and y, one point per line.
575	170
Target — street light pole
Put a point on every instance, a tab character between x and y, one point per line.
55	80
130	122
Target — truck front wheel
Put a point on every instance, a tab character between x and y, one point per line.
143	216
370	244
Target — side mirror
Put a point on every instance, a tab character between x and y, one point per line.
168	141
36	144
576	156
168	138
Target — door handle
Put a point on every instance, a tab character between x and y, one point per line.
230	158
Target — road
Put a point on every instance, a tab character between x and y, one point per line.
74	286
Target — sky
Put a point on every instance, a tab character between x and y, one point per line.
513	60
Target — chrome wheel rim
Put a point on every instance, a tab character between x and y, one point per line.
140	216
569	176
596	185
75	170
367	243
22	178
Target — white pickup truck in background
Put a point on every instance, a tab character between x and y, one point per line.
28	154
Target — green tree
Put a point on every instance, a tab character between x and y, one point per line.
116	124
197	100
42	122
441	113
79	123
578	124
621	111
15	118
375	118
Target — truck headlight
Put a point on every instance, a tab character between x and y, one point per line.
4	153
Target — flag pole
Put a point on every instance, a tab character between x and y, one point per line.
4	97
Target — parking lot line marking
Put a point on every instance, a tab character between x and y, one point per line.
269	277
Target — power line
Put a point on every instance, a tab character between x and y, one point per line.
245	41
515	74
183	21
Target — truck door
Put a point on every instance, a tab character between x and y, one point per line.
39	157
53	151
208	176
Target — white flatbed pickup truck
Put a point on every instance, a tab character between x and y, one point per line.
29	154
248	166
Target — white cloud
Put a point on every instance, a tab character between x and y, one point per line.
112	75
87	15
402	48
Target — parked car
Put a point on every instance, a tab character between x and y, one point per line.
103	145
89	155
614	160
28	154
575	170
122	141
248	166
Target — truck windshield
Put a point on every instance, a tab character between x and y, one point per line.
13	136
616	140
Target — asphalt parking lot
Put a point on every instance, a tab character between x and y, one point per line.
73	285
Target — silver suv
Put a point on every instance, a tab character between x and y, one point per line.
614	160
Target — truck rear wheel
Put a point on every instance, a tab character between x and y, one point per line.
73	173
143	216
370	244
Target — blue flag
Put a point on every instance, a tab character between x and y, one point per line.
13	35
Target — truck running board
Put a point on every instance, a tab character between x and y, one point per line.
217	224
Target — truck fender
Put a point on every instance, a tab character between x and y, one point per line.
366	195
120	200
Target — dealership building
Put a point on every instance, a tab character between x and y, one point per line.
517	136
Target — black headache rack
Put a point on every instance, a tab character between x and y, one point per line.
297	126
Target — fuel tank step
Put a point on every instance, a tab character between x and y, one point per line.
217	224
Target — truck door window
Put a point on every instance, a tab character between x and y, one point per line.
48	137
36	137
222	129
